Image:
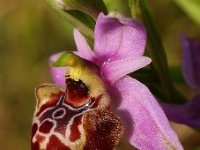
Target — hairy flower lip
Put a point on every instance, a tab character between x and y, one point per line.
60	120
122	38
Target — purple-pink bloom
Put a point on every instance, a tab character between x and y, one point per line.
188	113
191	62
118	50
58	73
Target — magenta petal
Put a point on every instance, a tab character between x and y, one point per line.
191	61
57	73
188	113
83	48
118	38
146	125
114	70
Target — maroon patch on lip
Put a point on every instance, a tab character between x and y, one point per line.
75	133
34	129
35	146
77	92
56	144
40	138
46	126
96	101
103	130
59	113
51	102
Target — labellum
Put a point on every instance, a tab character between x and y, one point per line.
77	116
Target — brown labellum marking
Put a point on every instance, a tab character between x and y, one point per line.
53	99
75	133
46	126
103	130
60	113
35	146
59	117
40	138
77	92
96	101
56	144
34	129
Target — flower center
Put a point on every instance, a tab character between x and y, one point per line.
77	92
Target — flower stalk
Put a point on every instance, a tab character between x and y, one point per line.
84	28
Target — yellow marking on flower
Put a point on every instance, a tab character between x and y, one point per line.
71	61
75	73
76	64
87	72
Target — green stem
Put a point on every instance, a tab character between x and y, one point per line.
134	8
118	7
90	7
75	22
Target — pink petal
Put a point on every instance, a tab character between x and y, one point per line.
83	48
57	73
118	38
188	113
146	125
114	70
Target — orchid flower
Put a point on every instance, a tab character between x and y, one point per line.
77	116
118	50
188	113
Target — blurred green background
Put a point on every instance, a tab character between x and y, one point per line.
30	31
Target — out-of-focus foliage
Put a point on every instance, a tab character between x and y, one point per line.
80	14
76	16
191	7
30	31
157	53
90	7
118	6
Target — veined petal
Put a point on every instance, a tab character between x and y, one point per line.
57	73
118	38
188	113
83	48
191	61
145	122
114	70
